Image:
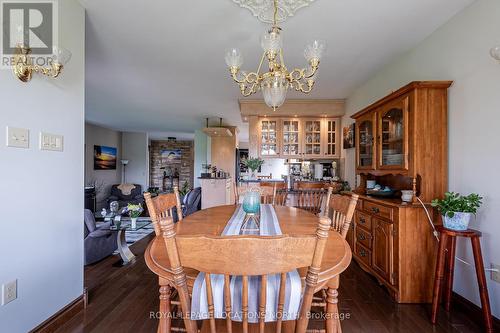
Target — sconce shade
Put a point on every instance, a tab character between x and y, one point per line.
61	55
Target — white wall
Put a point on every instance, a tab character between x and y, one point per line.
103	179
200	154
135	148
459	51
41	237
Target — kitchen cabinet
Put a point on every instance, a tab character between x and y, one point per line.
268	144
307	138
365	141
291	138
313	138
331	138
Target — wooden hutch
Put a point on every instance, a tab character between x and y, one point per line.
401	142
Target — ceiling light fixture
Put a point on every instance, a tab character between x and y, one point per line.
275	82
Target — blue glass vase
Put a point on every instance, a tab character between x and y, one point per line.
251	202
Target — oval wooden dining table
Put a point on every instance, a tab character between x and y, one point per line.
292	221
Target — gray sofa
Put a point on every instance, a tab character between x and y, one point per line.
99	242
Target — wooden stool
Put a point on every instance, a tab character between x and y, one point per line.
448	238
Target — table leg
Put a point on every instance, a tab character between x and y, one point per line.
481	281
450	271
438	278
123	248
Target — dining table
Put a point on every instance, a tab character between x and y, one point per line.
292	221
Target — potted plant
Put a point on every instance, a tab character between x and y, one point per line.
457	209
184	190
134	211
253	164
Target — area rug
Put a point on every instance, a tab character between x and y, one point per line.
132	236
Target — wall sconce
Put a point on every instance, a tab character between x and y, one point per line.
24	68
495	52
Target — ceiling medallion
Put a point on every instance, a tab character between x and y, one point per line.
264	9
275	82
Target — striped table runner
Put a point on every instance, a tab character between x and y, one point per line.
269	226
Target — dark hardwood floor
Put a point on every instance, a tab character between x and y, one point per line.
122	298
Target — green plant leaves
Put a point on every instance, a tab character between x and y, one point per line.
454	202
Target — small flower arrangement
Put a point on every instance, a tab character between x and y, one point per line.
134	211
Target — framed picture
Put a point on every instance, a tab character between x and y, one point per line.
349	136
170	156
104	158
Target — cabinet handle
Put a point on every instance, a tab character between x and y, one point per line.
361	237
362	221
375	210
362	253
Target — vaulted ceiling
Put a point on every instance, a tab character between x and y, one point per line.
158	65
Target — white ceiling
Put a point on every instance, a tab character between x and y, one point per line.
158	65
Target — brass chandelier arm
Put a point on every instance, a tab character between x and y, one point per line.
303	87
52	71
246	91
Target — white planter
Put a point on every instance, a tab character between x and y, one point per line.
133	224
459	221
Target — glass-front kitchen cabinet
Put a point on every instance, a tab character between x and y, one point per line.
302	137
269	145
291	138
365	141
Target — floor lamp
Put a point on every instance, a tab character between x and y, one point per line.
124	164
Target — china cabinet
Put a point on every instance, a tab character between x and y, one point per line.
401	142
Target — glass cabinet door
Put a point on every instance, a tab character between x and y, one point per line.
291	137
393	124
365	129
312	137
331	133
269	138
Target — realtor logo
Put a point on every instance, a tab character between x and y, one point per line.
31	24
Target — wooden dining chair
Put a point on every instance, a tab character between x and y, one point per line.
162	206
263	256
311	199
340	209
268	193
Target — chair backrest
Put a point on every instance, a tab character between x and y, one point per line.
311	199
301	185
267	193
340	208
281	194
263	256
163	206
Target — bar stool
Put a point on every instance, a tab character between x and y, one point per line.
448	238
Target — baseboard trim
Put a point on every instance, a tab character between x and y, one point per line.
474	311
62	316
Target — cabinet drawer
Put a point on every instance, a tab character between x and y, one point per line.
363	254
363	220
363	237
378	210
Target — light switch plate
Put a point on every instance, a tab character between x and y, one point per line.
52	142
9	292
18	137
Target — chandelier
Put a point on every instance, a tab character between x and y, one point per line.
277	80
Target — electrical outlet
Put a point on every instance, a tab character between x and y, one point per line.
9	292
495	276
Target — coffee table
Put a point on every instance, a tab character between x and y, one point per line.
126	224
